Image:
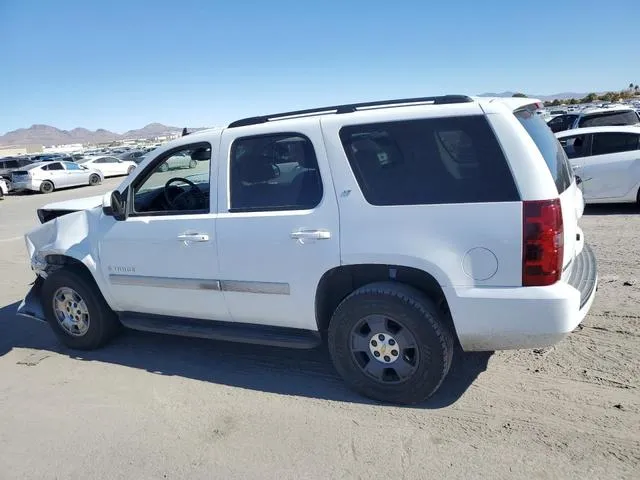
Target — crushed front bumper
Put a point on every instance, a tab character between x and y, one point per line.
31	306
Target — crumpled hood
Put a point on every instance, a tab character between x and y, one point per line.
74	205
66	235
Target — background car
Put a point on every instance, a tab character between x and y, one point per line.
9	164
181	160
109	166
607	161
45	177
131	156
4	188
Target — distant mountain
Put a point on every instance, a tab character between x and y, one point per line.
559	96
48	135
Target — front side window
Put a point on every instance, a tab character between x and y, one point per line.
169	192
429	161
576	146
274	172
614	142
72	166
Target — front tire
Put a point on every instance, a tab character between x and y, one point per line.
389	343
46	187
76	311
94	179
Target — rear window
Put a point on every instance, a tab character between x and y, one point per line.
549	146
609	118
429	161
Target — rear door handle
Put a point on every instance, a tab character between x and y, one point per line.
193	237
311	234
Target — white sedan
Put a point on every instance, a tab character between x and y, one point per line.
109	166
607	161
4	188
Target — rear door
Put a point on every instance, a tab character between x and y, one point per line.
613	169
278	223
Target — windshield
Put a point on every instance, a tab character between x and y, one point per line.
549	146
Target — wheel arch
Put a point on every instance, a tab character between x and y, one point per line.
336	284
85	265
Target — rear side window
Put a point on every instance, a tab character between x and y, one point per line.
53	166
576	146
609	118
614	142
550	148
429	161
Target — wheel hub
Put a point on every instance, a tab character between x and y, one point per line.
384	348
71	311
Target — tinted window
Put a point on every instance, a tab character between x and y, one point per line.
274	172
549	147
614	142
11	164
72	166
429	161
576	146
53	166
609	118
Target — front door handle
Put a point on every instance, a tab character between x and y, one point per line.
193	237
311	234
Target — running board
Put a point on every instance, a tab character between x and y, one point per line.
227	331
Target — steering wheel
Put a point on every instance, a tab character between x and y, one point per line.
191	199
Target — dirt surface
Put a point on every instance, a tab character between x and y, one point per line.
151	406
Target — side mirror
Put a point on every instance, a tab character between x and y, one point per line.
201	154
114	204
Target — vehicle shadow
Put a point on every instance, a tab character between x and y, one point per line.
612	209
307	373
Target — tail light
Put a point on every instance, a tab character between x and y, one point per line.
542	242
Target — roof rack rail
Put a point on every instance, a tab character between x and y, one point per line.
349	108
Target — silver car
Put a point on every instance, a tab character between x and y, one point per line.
45	177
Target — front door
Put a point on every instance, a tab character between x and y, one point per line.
162	259
76	175
278	229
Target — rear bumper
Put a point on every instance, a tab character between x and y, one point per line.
26	185
507	318
31	306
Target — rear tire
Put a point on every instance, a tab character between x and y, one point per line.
389	343
94	179
76	310
46	187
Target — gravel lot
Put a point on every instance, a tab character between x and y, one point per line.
151	406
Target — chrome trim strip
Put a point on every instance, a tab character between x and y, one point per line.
243	286
165	282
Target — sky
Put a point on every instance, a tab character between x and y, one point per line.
120	65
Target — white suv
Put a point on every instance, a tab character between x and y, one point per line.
396	228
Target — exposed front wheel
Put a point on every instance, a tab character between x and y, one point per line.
76	311
389	343
94	179
46	187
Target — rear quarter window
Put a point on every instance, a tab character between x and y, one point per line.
549	146
429	161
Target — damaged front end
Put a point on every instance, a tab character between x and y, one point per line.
52	245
